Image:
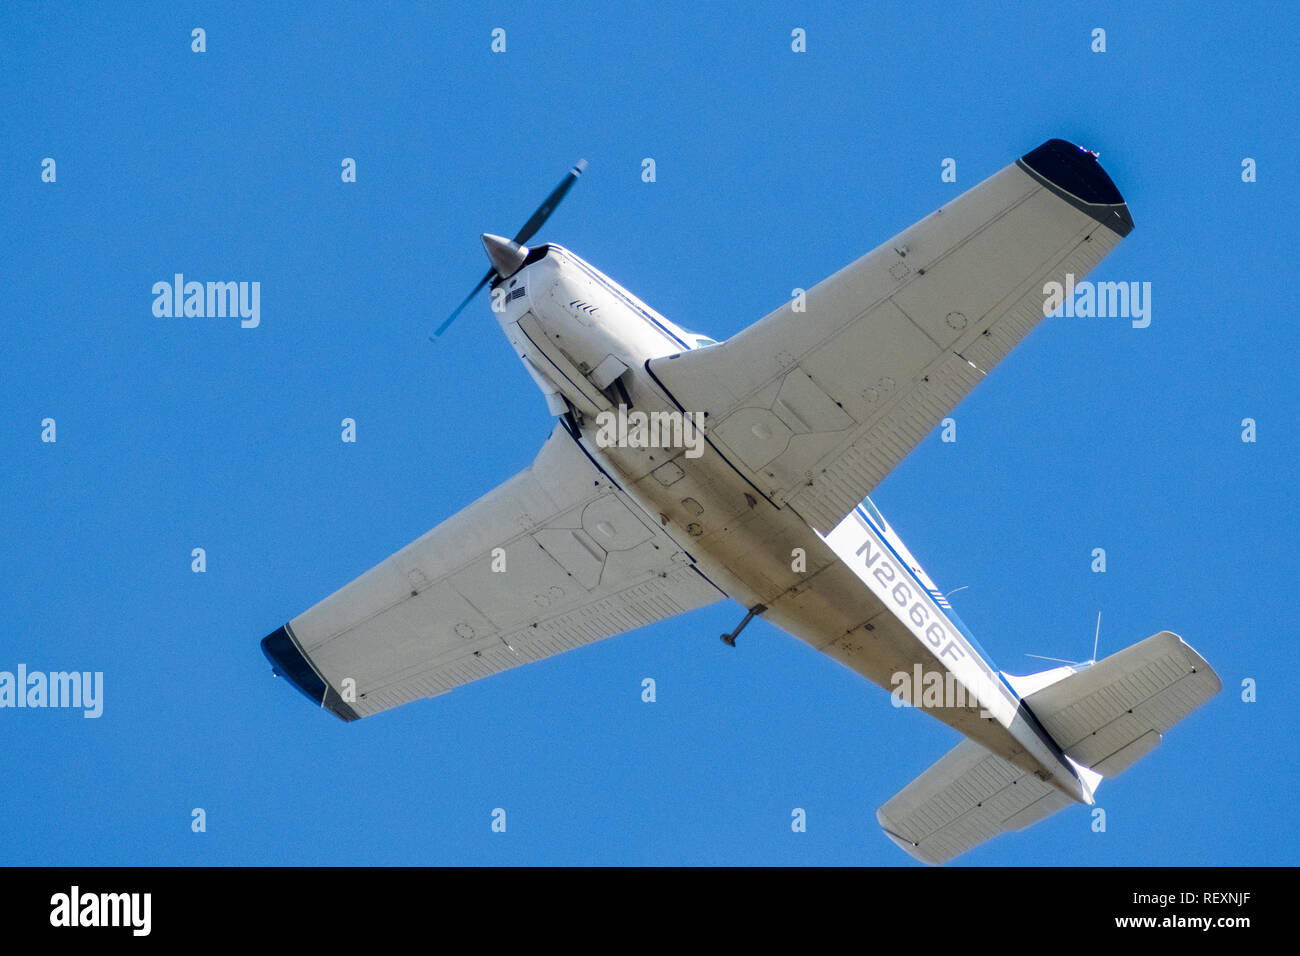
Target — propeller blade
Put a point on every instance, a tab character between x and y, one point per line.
460	308
505	253
545	209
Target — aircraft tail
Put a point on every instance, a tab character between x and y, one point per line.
1104	718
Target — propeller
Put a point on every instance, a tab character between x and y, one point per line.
1096	638
507	255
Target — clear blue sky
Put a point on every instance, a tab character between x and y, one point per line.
774	169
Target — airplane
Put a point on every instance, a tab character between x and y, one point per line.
682	471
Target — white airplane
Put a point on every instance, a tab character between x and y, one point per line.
631	514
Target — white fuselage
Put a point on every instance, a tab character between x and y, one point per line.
587	343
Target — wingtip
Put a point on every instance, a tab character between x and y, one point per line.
1074	174
288	661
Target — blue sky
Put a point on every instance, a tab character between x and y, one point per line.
773	170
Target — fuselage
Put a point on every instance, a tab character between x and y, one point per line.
590	346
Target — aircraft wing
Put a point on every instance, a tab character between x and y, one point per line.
555	558
816	407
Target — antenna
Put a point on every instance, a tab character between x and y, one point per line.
1096	639
1043	657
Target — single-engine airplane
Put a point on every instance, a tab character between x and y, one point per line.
682	471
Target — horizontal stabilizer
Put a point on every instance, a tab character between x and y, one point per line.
1109	715
968	797
1104	718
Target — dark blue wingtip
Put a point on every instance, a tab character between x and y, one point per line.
288	661
1074	174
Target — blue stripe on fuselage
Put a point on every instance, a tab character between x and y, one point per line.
608	285
948	613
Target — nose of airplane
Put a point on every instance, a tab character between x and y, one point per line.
506	255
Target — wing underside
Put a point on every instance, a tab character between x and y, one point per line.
815	407
555	558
